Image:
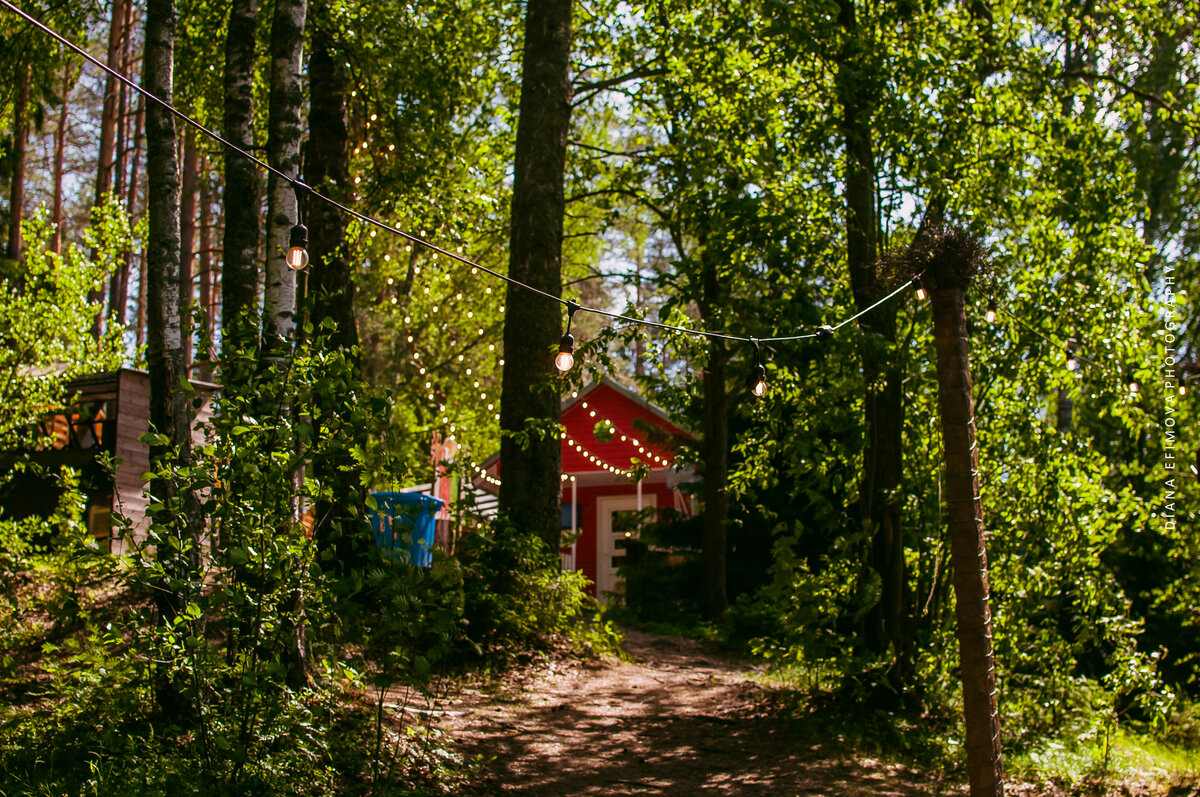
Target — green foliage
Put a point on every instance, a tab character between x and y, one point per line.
517	599
46	315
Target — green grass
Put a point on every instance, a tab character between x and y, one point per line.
1092	761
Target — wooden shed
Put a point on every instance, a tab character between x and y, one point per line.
105	414
610	432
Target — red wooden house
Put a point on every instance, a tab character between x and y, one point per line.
612	436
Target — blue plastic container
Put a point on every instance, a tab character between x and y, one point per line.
401	517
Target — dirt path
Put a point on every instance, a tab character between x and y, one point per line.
678	720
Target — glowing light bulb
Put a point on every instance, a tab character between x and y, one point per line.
297	254
758	381
991	311
919	288
565	358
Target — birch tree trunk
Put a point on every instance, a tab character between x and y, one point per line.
239	279
284	135
169	400
530	487
16	196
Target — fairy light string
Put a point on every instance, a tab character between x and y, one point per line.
308	191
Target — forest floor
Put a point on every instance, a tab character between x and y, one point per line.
673	718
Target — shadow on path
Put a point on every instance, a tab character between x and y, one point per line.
678	720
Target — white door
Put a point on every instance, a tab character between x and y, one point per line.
616	521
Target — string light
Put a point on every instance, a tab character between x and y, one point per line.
650	455
566	347
990	315
297	254
385	227
757	380
1072	364
919	288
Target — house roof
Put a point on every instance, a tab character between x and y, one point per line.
605	433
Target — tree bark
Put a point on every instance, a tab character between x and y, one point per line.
716	479
968	550
187	241
886	623
16	202
112	90
118	293
239	278
530	487
284	135
327	168
169	400
60	154
205	267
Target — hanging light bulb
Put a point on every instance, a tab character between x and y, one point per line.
1133	385
990	315
919	288
757	380
297	254
1072	363
565	358
824	332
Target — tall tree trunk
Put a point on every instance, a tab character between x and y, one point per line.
885	624
968	551
169	400
109	118
530	487
284	135
330	277
16	201
187	240
118	292
205	267
60	154
239	277
716	479
327	169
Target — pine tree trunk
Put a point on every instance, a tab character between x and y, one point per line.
16	201
187	241
716	478
60	153
109	118
239	278
886	624
205	268
530	487
327	168
118	290
330	276
968	552
169	401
